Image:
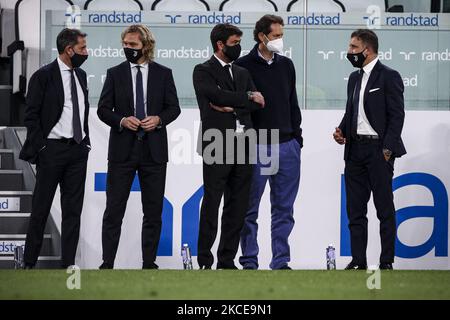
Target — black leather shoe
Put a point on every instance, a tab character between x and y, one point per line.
249	267
227	267
386	266
355	266
105	265
285	267
202	267
150	266
28	266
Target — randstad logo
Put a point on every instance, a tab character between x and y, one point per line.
8	247
438	212
73	15
115	17
4	205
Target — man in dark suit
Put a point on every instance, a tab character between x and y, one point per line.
138	101
371	131
226	95
58	143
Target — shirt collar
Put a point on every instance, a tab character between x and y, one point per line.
223	63
63	66
369	67
261	56
144	65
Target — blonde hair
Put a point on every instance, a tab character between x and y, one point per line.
146	37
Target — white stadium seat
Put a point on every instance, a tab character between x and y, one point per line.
315	6
125	5
177	5
248	5
361	6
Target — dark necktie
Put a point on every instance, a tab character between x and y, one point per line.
355	103
227	68
140	107
76	122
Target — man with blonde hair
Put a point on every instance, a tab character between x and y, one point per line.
138	101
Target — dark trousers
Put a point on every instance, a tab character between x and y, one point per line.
233	181
152	178
64	164
367	171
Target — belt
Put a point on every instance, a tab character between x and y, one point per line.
141	138
65	140
361	137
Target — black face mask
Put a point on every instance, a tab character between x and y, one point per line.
78	59
356	59
133	55
232	52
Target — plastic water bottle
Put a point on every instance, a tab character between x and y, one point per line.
18	257
186	256
331	258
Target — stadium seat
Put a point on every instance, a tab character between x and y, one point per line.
124	5
6	30
361	6
177	5
248	5
315	6
424	6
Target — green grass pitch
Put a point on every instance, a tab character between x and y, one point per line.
223	284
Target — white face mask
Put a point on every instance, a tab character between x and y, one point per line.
275	45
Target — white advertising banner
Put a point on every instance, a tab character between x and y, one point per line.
421	181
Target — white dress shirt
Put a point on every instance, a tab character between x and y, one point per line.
270	61
239	126
64	127
364	127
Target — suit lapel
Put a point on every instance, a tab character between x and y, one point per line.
372	78
127	83
82	81
351	92
57	81
236	77
152	78
223	74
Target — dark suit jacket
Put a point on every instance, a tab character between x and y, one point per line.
117	101
45	102
384	108
212	83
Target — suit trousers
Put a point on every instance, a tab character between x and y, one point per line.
120	176
62	164
366	172
232	181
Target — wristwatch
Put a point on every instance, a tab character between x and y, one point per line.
387	152
250	95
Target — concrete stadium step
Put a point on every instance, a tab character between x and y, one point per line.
44	262
16	223
11	180
6	159
15	201
9	241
